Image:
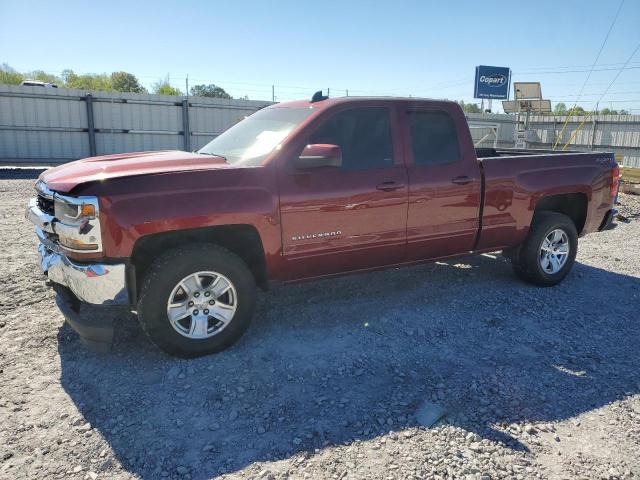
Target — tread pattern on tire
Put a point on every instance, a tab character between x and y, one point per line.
525	260
151	294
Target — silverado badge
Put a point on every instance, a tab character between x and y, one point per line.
310	236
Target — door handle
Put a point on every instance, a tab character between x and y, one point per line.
462	180
389	186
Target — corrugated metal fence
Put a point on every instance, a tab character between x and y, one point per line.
40	125
617	133
48	126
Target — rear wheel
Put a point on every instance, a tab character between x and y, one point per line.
549	251
196	300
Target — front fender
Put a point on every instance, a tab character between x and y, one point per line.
134	207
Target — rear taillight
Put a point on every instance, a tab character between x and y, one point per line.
615	181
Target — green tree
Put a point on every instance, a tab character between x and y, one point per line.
469	107
67	75
88	81
120	81
163	87
560	109
43	76
210	90
9	76
126	82
608	111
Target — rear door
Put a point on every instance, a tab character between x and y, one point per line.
349	218
444	183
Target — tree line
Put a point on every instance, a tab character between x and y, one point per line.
113	82
560	109
127	82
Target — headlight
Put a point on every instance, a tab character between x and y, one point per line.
77	222
71	210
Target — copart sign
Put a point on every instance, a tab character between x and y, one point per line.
492	82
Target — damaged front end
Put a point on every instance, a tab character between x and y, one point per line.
85	290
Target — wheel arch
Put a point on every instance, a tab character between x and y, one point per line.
241	239
573	205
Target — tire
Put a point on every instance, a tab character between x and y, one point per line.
182	274
528	260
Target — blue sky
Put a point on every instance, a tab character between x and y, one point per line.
421	48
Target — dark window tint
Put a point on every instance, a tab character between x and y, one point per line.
433	138
363	134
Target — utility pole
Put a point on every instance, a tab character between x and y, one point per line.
328	92
186	84
273	93
347	92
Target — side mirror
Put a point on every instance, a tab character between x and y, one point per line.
319	155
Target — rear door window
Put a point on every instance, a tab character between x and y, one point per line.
434	138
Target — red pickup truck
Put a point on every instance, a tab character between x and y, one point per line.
295	191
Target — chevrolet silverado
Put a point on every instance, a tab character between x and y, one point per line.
297	191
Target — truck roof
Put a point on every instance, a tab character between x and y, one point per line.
321	104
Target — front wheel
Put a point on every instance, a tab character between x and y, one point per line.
549	251
196	300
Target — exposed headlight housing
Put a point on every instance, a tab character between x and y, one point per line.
77	223
72	211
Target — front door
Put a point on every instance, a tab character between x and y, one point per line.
352	217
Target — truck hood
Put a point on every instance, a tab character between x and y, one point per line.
65	178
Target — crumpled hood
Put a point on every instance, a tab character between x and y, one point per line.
66	177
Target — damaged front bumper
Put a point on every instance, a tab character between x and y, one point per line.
95	283
85	291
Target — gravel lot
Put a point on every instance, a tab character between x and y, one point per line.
536	383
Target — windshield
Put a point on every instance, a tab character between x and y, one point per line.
251	140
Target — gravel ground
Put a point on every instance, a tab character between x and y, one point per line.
333	376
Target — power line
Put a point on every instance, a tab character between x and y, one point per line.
609	93
602	48
634	100
618	74
592	84
575	132
284	92
562	67
574	71
615	18
595	62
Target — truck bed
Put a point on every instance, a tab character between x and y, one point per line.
515	179
490	152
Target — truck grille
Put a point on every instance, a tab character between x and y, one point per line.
46	204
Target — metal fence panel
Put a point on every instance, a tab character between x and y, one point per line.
108	143
617	133
39	125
